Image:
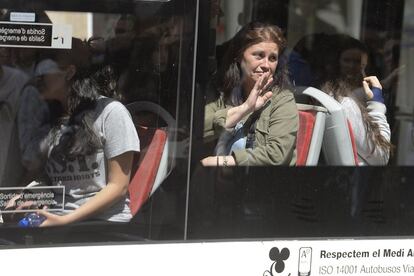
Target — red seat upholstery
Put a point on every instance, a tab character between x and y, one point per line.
304	135
354	148
145	166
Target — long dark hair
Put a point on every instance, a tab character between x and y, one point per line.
73	135
339	86
229	75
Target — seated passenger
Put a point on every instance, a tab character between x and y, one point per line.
255	117
90	148
361	97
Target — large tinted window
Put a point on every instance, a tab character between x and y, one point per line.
95	103
352	147
116	117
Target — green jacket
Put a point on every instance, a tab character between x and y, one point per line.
275	133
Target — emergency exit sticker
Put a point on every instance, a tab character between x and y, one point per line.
35	35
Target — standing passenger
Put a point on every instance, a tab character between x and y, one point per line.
11	85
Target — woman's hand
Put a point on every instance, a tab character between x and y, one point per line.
367	83
52	219
257	99
119	169
258	96
209	161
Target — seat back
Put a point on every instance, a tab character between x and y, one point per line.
354	147
310	134
338	144
146	166
156	159
304	136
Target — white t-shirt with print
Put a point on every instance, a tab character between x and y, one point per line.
85	176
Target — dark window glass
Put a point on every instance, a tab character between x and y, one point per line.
348	65
95	115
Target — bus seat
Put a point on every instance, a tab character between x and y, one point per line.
301	98
139	108
304	136
354	147
156	159
338	146
310	134
149	166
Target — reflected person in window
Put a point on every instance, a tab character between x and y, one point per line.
255	117
361	97
90	149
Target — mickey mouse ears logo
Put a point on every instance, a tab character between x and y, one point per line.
278	258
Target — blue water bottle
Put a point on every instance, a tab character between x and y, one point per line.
31	220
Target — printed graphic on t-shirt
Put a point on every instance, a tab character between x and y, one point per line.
84	175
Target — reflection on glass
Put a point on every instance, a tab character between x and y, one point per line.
348	64
96	125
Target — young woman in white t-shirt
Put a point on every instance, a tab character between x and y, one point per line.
90	148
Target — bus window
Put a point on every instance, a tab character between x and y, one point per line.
348	67
160	120
95	120
337	47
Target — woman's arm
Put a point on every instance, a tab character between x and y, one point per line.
119	170
278	148
214	119
276	131
226	161
376	110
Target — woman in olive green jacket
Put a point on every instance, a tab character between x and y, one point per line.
255	102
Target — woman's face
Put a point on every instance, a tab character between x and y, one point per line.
353	63
259	59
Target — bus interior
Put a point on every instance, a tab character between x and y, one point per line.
160	59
